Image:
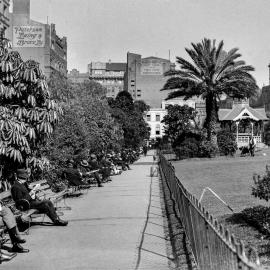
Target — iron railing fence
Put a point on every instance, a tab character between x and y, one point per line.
213	246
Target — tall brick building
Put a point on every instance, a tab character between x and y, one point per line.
37	41
110	75
144	78
75	76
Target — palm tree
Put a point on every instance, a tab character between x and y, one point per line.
212	73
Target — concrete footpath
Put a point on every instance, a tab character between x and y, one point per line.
118	227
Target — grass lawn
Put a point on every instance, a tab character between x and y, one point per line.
231	179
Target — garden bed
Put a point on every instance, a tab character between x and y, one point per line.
249	234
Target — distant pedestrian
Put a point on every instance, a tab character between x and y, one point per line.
145	150
252	145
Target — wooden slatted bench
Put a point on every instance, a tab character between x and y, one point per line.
44	192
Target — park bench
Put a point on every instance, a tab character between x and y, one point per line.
22	209
76	191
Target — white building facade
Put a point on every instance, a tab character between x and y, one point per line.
154	119
155	116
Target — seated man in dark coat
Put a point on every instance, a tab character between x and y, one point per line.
93	165
72	175
22	194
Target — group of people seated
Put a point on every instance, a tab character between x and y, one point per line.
98	168
25	199
76	174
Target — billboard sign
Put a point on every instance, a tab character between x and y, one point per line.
151	68
28	36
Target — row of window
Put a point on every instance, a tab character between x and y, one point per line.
139	93
157	117
112	73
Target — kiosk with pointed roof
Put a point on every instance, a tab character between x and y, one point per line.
244	118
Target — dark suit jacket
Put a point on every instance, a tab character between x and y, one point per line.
72	176
20	191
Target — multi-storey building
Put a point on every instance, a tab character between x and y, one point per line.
155	116
37	41
154	119
75	76
110	75
144	78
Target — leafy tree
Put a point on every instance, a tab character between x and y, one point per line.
129	115
70	139
261	188
266	133
60	88
86	126
104	131
179	122
226	142
124	101
28	115
140	106
212	73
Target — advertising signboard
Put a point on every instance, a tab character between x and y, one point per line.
26	36
151	68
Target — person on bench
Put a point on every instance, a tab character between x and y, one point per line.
9	221
23	195
72	175
94	166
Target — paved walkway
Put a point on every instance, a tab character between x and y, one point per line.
117	227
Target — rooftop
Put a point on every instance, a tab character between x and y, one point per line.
116	66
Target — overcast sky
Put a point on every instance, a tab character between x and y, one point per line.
99	30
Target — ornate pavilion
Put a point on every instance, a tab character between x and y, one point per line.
244	121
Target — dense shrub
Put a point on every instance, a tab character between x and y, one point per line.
189	148
226	143
207	149
261	188
267	133
258	217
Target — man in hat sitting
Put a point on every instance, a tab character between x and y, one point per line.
22	194
93	165
72	175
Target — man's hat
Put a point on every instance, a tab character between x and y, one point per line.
92	156
22	174
84	163
70	161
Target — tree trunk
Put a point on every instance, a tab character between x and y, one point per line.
211	119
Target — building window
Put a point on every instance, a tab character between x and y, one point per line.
157	117
139	95
157	129
148	117
98	72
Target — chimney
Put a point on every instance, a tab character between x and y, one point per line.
21	7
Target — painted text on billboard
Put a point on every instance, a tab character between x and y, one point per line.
28	36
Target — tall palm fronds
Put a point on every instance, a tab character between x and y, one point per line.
211	73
